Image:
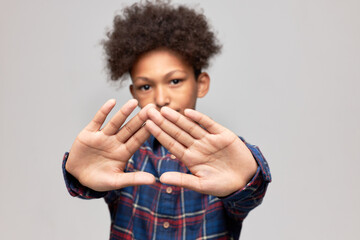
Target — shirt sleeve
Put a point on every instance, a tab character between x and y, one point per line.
240	203
75	188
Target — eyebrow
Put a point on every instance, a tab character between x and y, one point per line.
174	71
166	75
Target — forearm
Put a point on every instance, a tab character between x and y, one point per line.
240	203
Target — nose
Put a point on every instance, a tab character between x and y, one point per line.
162	97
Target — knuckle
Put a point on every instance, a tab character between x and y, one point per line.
97	121
179	119
157	133
137	140
123	113
171	144
191	129
113	125
177	135
128	128
161	121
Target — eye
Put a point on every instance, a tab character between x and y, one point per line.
175	81
144	87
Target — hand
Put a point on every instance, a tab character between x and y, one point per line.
219	161
98	157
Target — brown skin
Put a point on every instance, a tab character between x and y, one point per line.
98	156
163	78
219	161
165	88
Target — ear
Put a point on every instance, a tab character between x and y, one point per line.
203	84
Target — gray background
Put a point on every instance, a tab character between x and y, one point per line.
287	80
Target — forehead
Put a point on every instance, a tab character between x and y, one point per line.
159	62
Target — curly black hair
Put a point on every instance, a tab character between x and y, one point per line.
146	26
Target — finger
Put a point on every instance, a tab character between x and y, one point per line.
132	179
183	122
116	121
100	116
182	180
135	141
170	128
168	142
133	125
210	125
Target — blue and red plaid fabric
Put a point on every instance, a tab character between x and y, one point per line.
161	211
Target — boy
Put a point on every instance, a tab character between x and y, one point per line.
170	172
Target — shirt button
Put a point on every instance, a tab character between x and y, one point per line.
172	156
166	225
168	190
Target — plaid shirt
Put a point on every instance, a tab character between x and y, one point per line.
161	211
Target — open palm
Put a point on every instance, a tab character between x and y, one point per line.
98	156
219	161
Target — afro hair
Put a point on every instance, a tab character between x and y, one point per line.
143	27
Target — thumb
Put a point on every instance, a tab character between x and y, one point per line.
182	180
122	180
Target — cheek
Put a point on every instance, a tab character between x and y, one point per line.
189	98
144	100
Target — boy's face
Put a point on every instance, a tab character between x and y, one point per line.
163	78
